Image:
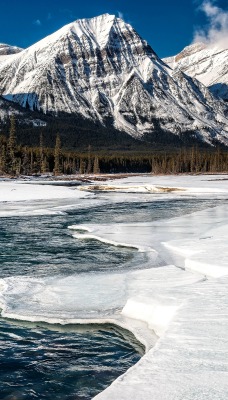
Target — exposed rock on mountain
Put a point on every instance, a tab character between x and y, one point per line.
101	70
24	117
208	65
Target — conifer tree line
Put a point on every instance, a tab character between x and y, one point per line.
18	160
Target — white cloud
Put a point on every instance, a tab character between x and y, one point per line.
120	15
37	22
216	33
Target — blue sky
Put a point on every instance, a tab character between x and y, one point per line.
168	25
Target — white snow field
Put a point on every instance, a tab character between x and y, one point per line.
179	310
21	191
37	198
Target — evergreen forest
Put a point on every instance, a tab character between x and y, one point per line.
21	159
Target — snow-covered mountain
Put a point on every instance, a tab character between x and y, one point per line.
6	51
100	69
208	64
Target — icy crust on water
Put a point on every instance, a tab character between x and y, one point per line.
99	298
91	236
195	246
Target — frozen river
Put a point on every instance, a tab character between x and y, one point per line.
143	254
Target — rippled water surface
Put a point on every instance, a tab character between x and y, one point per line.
72	362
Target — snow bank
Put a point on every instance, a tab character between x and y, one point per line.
207	254
28	199
19	191
156	314
190	360
174	185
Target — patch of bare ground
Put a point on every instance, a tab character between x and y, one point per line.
128	189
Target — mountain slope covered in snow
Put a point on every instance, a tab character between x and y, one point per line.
207	64
101	70
6	51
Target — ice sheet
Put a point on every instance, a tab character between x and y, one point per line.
20	191
30	199
190	360
201	254
196	244
97	297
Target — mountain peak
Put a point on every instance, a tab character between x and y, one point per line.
101	70
99	17
98	28
191	49
207	64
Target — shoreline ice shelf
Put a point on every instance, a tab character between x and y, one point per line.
190	360
183	300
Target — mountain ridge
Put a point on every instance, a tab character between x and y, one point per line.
208	64
101	70
7	49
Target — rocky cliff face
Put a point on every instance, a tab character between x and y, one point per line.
24	117
101	70
208	65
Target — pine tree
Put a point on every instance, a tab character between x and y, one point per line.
2	155
12	146
96	168
42	166
25	162
57	154
89	164
31	162
82	167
